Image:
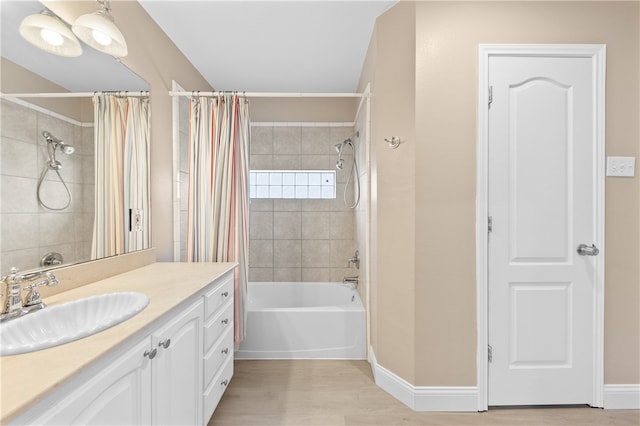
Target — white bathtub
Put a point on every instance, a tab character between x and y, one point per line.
287	320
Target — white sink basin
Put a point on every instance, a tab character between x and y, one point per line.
59	324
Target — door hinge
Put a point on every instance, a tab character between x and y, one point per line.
490	96
490	353
490	224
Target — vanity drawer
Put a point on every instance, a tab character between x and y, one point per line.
221	351
216	326
216	388
217	297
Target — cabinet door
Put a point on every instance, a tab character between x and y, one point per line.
117	395
177	369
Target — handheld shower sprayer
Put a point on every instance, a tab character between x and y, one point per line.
54	143
57	143
339	148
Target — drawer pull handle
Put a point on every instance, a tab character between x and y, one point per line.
225	321
164	343
151	354
225	382
225	351
225	294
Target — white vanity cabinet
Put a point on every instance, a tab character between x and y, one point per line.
176	374
117	395
218	343
176	370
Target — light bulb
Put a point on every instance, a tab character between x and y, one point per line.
51	37
101	38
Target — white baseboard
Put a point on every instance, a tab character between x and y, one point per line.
622	397
424	398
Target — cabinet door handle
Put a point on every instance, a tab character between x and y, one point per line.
225	321
225	294
164	343
225	382
151	354
225	351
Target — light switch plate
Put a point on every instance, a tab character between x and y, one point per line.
621	166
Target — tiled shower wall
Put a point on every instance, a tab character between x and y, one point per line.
29	231
301	240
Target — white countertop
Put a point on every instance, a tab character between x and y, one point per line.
26	378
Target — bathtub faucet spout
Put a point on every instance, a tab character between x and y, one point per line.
350	281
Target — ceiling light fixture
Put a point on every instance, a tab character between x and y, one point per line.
48	32
99	31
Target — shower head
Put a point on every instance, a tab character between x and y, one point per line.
50	138
67	149
339	148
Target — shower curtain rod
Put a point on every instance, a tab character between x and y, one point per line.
139	93
273	94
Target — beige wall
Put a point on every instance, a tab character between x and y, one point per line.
154	57
302	109
15	79
393	278
438	302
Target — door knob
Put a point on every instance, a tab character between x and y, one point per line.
585	250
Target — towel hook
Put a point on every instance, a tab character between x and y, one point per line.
393	143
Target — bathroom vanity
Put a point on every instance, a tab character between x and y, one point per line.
169	364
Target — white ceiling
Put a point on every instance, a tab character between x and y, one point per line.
263	46
272	46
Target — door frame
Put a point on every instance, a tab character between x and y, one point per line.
597	52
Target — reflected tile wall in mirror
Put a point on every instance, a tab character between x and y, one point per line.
27	230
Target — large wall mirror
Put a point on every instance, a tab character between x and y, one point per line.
47	213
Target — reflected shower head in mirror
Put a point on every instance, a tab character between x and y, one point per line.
57	143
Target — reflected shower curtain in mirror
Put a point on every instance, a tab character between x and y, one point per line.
121	136
217	213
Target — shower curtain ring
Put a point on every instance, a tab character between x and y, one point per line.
393	143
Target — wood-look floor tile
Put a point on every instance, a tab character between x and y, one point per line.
337	393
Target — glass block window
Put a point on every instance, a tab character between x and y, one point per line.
301	184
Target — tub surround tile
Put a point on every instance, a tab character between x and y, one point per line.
341	251
287	225
316	225
287	205
261	253
302	230
316	253
287	274
260	274
287	253
261	205
342	225
286	140
337	274
261	225
18	122
316	274
261	162
261	140
286	162
318	162
19	158
316	140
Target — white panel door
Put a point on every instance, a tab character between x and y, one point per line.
542	205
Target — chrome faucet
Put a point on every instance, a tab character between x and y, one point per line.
14	306
355	259
351	281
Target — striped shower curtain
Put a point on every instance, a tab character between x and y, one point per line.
121	137
217	216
